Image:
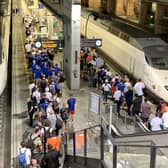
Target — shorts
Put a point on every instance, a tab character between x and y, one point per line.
72	112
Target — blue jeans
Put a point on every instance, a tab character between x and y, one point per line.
105	96
91	81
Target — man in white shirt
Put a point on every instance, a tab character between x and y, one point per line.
28	48
156	123
48	94
117	98
165	119
37	95
138	87
106	89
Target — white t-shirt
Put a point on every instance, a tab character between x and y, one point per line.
139	86
117	95
165	119
31	86
27	152
37	95
155	124
48	95
28	47
106	87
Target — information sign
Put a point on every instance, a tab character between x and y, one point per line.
91	42
49	44
94	103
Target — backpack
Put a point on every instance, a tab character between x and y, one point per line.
43	84
55	104
62	78
59	123
22	158
47	133
30	143
64	114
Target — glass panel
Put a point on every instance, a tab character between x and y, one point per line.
69	144
161	159
108	153
69	129
79	138
128	156
93	143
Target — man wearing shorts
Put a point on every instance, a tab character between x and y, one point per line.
71	106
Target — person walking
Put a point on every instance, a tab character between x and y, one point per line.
106	90
52	158
117	99
71	106
24	155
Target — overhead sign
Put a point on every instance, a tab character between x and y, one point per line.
49	44
91	42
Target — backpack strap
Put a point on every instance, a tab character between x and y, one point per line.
22	152
33	138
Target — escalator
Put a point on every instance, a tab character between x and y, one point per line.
95	147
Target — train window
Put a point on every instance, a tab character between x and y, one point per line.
146	58
166	87
159	62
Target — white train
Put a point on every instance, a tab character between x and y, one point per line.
5	12
142	57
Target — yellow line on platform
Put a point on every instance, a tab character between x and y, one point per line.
25	61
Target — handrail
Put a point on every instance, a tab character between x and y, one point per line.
144	134
98	125
141	141
116	146
141	124
144	146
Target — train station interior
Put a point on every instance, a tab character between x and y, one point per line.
84	83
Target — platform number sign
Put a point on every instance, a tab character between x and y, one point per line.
98	43
37	44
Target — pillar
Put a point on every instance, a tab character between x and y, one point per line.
111	7
50	23
119	8
72	12
95	4
144	9
85	3
161	19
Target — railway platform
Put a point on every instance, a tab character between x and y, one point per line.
20	92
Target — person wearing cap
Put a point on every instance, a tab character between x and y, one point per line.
106	89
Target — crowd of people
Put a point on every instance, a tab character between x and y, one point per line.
122	91
48	117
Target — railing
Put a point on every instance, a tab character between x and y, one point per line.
96	142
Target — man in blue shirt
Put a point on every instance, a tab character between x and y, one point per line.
71	106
